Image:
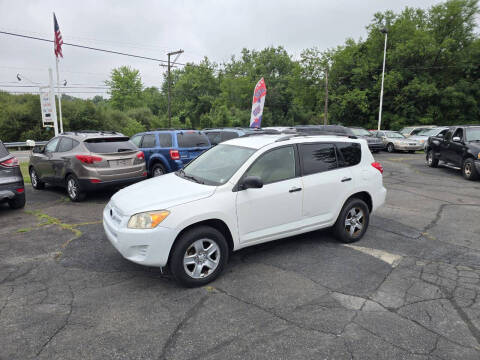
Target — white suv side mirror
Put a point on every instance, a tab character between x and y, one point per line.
456	139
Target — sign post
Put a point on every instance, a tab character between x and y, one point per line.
47	104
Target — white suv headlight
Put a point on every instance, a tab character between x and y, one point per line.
147	220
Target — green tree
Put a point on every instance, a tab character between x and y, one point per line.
125	88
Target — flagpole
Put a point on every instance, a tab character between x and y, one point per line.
59	94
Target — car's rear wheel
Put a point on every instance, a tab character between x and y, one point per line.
158	170
390	148
35	180
468	170
17	202
432	161
353	221
198	256
74	191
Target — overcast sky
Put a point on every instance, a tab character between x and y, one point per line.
212	28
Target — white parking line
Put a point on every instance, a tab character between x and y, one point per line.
392	259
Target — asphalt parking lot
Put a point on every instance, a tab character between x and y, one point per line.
410	289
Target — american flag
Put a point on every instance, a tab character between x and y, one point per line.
58	38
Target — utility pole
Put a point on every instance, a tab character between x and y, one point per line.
178	53
383	31
325	118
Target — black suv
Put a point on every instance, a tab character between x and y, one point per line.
459	147
12	189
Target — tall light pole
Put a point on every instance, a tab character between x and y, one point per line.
383	31
178	53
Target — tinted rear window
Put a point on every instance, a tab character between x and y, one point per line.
192	139
317	158
3	150
350	154
148	141
165	140
109	145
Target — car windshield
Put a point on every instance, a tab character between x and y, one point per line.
217	165
429	132
473	134
361	132
406	130
394	135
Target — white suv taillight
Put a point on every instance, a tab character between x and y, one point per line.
378	166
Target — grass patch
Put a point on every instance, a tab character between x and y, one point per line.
26	175
24	230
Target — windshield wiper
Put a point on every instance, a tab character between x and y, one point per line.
189	177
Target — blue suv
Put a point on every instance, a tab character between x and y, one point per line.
169	150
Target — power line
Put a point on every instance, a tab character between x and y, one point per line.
86	47
61	87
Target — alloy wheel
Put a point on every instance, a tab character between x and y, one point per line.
467	169
33	177
201	258
354	221
72	188
158	172
430	157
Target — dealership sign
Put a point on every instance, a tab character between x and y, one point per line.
47	104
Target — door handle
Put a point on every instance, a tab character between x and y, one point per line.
294	189
346	179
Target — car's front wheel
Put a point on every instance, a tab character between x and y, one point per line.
198	256
432	161
469	171
353	221
74	191
37	184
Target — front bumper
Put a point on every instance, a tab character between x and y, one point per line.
87	185
150	247
407	147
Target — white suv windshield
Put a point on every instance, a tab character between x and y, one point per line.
217	165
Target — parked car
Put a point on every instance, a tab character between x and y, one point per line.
12	189
84	161
395	141
170	150
243	192
216	136
414	130
460	147
423	136
374	144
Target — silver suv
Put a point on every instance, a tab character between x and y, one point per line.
83	161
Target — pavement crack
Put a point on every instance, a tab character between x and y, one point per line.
64	324
274	314
172	339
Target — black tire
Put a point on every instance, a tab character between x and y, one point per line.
37	184
411	151
344	232
390	148
185	244
469	170
158	170
374	151
432	161
74	190
17	202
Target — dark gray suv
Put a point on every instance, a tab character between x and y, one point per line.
84	161
12	189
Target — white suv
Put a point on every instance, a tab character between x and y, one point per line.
243	192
